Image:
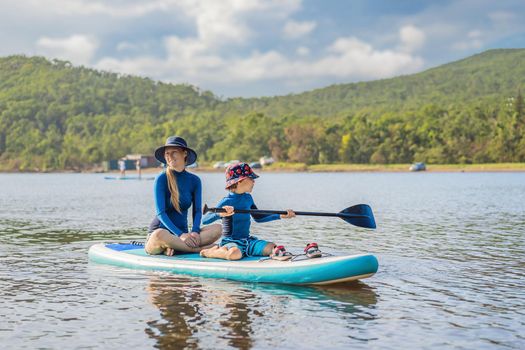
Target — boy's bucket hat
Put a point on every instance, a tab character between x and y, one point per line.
238	172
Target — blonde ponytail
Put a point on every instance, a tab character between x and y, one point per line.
174	189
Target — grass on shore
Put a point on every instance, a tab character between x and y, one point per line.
302	167
430	167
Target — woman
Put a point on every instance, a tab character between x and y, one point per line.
175	191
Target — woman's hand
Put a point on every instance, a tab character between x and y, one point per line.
192	239
290	214
196	238
229	211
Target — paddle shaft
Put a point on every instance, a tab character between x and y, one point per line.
282	212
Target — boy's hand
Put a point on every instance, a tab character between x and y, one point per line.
290	214
229	211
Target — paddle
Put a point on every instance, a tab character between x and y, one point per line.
359	215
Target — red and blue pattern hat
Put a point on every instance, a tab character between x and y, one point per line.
238	172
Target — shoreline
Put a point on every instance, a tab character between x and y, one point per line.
379	168
323	168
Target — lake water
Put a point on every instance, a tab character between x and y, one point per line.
451	250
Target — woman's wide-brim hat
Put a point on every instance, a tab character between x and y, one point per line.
176	141
238	172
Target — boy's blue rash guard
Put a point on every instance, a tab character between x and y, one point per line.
190	194
237	226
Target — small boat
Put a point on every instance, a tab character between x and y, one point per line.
418	167
129	178
301	271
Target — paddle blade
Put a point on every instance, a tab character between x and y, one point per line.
365	216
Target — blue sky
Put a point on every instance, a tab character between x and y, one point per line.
260	47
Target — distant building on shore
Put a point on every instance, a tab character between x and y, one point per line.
266	160
130	161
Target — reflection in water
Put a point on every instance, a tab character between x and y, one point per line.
179	308
347	298
231	309
237	318
182	303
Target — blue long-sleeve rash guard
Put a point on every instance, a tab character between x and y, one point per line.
237	226
190	194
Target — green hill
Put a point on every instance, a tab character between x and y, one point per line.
55	116
487	78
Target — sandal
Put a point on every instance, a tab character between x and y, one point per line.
312	251
279	253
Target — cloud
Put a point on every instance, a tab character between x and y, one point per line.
126	46
192	56
189	60
123	9
475	34
412	38
223	22
201	59
197	59
241	45
216	22
473	41
352	58
79	49
502	16
451	27
303	51
294	30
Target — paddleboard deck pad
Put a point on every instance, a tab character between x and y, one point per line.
323	270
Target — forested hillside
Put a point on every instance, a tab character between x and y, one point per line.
54	116
486	78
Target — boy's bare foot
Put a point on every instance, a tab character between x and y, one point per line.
209	252
222	253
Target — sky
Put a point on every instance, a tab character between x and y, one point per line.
254	48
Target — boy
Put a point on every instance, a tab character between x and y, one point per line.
237	241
